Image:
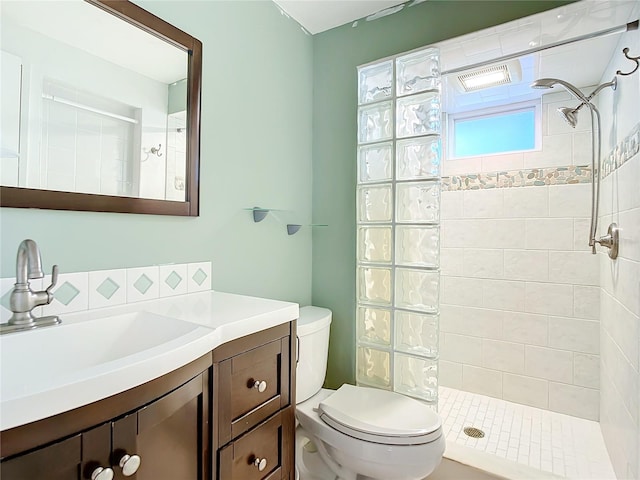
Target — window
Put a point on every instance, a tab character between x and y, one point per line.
510	128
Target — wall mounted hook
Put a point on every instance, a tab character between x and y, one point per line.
153	150
156	151
633	59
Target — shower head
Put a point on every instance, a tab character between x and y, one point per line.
570	115
544	83
551	82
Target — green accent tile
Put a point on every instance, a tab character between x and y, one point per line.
173	280
199	277
143	284
5	301
107	288
66	293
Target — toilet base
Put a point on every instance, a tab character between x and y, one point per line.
309	464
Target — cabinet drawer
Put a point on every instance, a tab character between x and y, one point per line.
250	387
251	372
241	459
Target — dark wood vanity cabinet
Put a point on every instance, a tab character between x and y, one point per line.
254	402
168	436
210	419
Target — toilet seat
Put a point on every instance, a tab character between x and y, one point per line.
380	416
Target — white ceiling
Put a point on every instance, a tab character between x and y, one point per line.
319	15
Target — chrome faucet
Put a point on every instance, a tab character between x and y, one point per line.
23	299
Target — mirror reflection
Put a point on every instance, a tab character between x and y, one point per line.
91	104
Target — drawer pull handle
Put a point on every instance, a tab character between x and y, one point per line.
129	464
102	474
261	463
261	386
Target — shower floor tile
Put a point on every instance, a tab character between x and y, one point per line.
567	446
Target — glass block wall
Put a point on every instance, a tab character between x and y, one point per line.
398	217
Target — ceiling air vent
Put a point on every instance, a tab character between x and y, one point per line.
488	77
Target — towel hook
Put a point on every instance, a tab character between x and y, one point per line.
156	151
633	59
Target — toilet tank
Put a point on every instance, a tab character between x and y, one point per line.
313	347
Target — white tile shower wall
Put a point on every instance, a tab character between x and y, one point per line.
620	279
80	291
518	297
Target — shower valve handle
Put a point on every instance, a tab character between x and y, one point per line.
611	240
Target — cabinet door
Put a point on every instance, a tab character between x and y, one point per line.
60	461
76	458
169	437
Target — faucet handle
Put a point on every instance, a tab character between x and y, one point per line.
54	280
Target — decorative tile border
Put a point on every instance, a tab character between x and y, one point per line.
80	291
625	150
519	178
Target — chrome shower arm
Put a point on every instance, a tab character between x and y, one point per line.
613	84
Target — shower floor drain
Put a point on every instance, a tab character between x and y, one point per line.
473	432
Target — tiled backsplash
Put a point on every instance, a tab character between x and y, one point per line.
79	291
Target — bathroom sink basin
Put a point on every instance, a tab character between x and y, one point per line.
50	357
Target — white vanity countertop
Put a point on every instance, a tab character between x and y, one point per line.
51	370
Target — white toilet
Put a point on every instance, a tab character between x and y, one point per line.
357	432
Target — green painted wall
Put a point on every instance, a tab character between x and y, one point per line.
256	150
336	54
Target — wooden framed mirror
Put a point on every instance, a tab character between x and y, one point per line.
101	113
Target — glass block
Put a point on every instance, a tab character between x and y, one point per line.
374	325
417	289
418	202
373	367
375	162
418	158
374	244
374	204
418	115
375	82
416	377
374	285
416	333
418	71
375	122
418	246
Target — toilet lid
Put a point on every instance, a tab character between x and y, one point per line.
380	416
